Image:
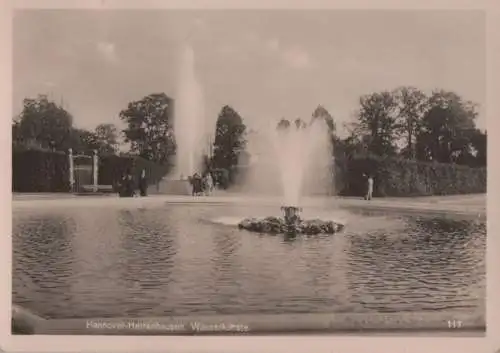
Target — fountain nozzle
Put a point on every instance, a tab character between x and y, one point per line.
291	214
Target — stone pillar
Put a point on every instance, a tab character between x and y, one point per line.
71	171
95	170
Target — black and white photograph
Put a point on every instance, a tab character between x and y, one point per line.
231	172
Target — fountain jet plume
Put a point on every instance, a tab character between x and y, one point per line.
294	159
189	120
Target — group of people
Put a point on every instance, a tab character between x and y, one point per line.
127	185
202	184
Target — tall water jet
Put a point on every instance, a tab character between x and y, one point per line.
292	157
189	122
189	127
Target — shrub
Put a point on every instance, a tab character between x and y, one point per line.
35	170
400	177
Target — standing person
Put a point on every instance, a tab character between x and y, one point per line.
369	192
215	179
209	183
121	185
143	183
130	185
196	182
204	186
127	186
200	182
158	185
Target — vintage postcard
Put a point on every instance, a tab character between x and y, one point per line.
193	176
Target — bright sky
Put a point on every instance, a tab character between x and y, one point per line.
266	64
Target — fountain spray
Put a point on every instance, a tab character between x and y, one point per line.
301	152
189	121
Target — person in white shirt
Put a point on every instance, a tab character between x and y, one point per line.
209	184
369	192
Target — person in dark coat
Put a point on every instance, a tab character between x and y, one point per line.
197	182
143	183
127	187
121	185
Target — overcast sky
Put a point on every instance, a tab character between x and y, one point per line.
266	64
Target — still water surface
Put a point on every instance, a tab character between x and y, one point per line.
175	260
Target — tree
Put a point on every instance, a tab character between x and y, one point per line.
43	123
149	127
478	140
412	104
356	143
283	124
300	124
321	113
16	132
377	119
229	138
83	141
447	129
107	138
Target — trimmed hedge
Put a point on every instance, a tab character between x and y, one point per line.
47	171
400	177
35	170
39	171
395	177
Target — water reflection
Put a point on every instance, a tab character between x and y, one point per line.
148	247
225	272
148	250
171	260
42	257
433	264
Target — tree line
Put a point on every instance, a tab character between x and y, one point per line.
45	125
404	123
407	123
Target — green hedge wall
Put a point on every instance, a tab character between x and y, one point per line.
35	170
400	177
46	171
39	171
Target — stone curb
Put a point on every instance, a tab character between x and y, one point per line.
256	324
399	206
